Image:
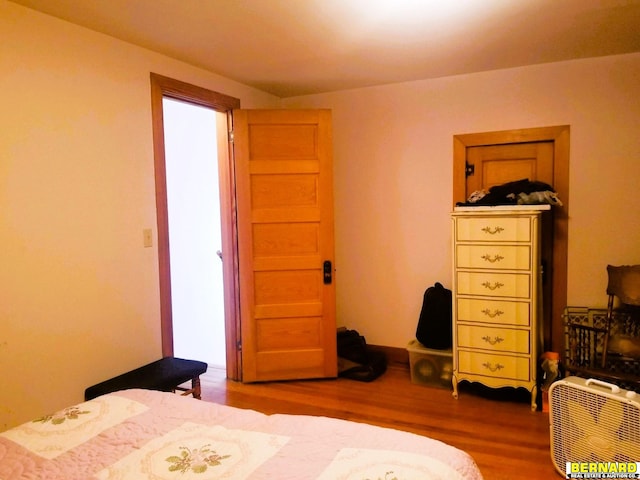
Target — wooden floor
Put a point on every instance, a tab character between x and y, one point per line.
497	428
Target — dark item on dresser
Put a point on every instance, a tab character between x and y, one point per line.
435	322
164	375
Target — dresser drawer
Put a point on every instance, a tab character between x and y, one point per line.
493	284
506	257
493	311
493	229
493	338
494	365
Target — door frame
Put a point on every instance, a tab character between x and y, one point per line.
161	87
559	135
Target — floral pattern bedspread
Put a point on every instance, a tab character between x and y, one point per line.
138	434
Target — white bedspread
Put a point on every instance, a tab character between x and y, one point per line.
138	434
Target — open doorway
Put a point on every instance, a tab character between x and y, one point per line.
162	88
195	243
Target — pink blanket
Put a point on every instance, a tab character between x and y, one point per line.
137	434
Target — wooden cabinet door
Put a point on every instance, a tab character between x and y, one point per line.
283	162
499	164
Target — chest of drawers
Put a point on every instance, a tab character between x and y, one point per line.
497	299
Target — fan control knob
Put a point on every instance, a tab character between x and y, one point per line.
630	394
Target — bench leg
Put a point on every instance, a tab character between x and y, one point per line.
195	389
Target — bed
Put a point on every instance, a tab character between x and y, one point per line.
137	434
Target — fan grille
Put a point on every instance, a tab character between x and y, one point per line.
588	426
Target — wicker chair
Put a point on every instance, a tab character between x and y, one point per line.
605	344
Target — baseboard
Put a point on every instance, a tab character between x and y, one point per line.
395	355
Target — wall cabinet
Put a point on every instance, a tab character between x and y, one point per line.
497	296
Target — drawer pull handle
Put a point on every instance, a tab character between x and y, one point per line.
494	286
494	259
490	314
492	368
496	340
492	231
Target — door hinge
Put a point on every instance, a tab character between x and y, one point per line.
469	169
239	345
230	136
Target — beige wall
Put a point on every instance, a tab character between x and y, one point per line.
393	178
79	295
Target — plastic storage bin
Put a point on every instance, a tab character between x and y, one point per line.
430	367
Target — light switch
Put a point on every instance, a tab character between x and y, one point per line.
147	236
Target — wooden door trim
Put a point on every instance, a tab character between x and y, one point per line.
162	86
559	135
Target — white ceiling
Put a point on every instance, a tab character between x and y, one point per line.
297	47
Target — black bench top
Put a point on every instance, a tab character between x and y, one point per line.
163	375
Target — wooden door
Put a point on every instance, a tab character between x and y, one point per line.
540	154
285	244
498	164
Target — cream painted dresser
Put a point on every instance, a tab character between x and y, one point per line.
497	296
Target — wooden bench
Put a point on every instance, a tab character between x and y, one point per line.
165	375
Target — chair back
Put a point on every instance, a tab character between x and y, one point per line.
624	283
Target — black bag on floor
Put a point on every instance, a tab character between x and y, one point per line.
355	360
435	325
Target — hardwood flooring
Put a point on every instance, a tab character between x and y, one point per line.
496	427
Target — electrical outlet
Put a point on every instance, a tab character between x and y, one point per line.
147	237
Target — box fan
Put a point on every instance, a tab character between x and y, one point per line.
593	421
